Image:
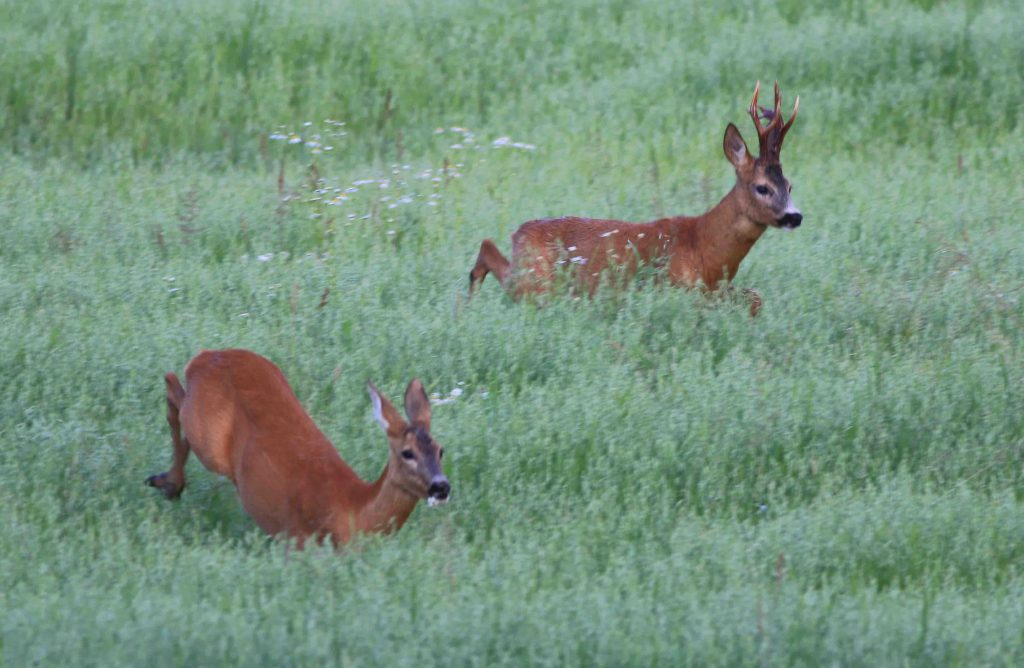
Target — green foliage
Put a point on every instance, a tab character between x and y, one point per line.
148	80
646	477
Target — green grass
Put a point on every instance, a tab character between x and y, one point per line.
641	478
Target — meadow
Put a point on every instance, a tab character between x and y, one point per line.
641	478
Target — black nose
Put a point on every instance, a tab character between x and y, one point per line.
439	488
791	220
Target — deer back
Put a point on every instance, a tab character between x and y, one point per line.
244	421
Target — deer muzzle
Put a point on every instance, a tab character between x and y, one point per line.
791	220
438	491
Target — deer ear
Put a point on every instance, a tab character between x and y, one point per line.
417	405
383	411
735	148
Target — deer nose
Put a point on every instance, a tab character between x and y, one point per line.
439	488
791	220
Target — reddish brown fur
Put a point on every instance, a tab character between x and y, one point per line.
703	250
244	422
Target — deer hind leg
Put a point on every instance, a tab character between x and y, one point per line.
489	261
172	482
753	299
738	295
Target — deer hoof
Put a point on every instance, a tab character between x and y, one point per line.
171	490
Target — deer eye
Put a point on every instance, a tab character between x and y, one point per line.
408	454
762	190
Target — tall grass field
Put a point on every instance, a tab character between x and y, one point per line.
645	477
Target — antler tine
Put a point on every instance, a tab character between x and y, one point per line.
785	128
762	131
777	114
753	109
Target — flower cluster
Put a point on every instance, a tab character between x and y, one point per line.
377	196
437	400
316	141
467	140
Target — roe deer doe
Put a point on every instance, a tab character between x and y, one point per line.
243	421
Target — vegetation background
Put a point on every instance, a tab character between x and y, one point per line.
642	478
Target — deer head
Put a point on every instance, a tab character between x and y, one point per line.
415	455
764	193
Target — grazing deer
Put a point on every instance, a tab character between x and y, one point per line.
243	421
704	250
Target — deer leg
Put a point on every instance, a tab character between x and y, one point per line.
490	260
172	482
753	299
731	293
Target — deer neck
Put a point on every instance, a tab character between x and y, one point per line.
725	235
388	505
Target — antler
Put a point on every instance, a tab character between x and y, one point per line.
770	136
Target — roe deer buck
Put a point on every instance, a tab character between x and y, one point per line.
243	421
704	249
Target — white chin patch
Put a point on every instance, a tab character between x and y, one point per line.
433	501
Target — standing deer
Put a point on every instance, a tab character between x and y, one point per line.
706	249
243	421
